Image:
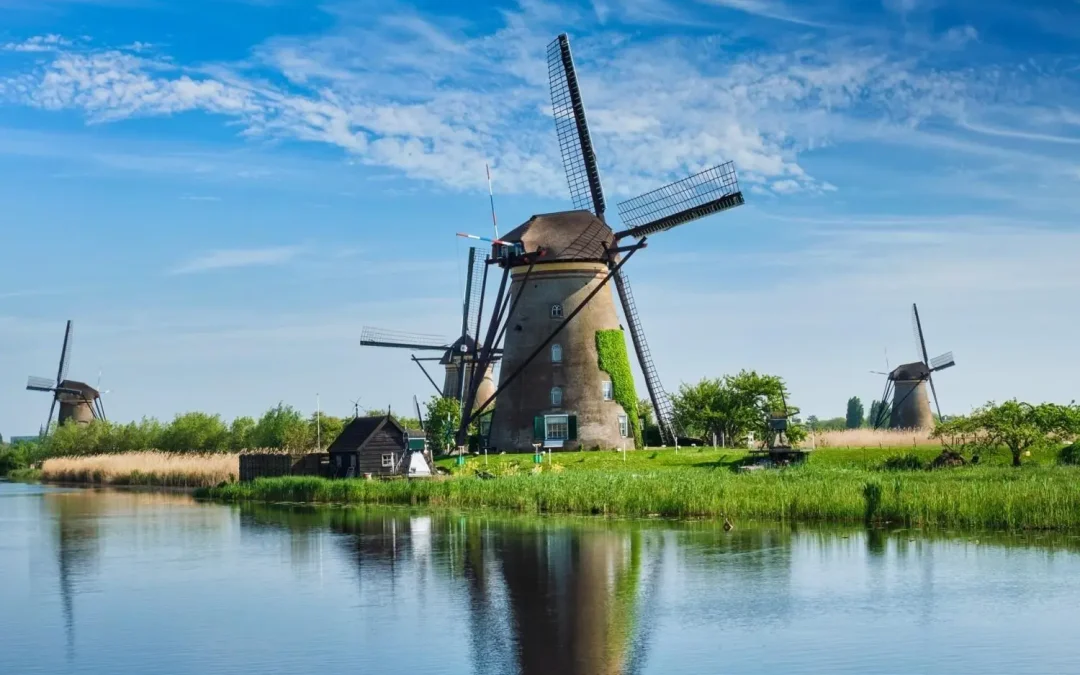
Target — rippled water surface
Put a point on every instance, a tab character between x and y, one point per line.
137	582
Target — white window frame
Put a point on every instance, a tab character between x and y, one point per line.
624	426
388	460
556	311
607	390
556	423
556	397
556	353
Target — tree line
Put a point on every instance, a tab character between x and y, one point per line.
279	428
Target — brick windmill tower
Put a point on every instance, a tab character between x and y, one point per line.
565	379
79	402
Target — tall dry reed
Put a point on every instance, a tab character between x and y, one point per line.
871	438
144	468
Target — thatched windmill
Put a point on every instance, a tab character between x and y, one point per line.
905	396
564	367
79	402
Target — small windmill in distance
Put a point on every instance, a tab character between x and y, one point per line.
905	387
78	401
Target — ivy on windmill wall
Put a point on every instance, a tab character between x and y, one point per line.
613	360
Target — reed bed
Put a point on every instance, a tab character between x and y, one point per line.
974	497
144	468
872	438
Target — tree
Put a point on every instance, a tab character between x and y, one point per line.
878	410
442	417
195	432
1019	426
733	406
280	427
854	418
241	434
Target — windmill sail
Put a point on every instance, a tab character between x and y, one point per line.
920	342
378	337
40	384
686	200
657	396
942	362
575	144
65	354
474	291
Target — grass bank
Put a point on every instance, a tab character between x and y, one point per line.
143	468
976	497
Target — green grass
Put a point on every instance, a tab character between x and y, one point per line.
842	486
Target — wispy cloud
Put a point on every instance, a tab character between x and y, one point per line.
233	258
769	9
442	101
38	43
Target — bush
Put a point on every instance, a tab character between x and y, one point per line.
12	459
905	462
1070	454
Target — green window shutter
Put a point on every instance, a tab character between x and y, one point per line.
538	428
571	423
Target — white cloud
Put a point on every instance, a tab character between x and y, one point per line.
959	36
227	259
769	9
38	43
442	101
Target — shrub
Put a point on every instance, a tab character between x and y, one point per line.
905	462
1070	454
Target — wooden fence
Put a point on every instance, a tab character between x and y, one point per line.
269	465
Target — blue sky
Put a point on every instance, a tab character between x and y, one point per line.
221	194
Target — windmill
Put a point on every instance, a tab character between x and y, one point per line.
558	300
457	356
78	401
905	396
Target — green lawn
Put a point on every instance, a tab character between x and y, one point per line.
654	459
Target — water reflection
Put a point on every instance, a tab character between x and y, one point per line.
76	518
131	581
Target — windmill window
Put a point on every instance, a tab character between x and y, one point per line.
556	396
624	426
388	460
556	353
556	427
607	390
556	311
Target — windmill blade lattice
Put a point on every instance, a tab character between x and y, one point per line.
40	384
474	291
378	337
65	354
575	143
920	342
942	362
686	200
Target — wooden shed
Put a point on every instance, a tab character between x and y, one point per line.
375	446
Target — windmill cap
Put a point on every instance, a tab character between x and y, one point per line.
566	235
454	352
910	371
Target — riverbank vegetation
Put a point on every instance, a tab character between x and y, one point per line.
143	468
974	497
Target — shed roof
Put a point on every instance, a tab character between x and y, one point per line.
357	432
567	235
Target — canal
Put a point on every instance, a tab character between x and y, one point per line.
118	582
